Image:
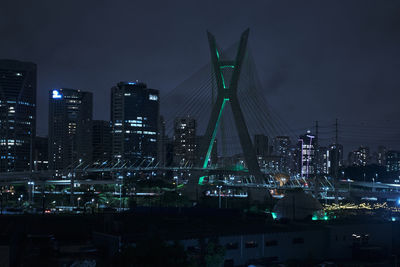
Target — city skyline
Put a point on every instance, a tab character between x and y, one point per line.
315	73
200	133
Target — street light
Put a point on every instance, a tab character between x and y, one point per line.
78	202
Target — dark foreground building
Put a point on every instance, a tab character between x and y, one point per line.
206	237
70	128
17	114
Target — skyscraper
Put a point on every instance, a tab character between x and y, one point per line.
359	157
135	120
307	154
17	114
41	154
380	156
184	141
324	164
393	161
282	149
335	158
70	128
101	141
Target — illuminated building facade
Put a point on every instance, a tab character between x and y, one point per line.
70	128
359	157
17	114
184	141
393	161
307	144
380	156
135	119
101	141
282	149
323	160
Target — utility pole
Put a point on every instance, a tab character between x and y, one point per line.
336	161
316	160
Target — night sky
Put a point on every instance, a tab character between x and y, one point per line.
318	60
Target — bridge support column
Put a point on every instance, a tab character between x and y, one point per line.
227	93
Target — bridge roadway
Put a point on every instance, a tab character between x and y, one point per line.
65	177
77	176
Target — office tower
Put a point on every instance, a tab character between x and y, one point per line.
70	128
184	141
359	157
17	114
307	154
41	153
162	143
101	141
135	119
393	161
281	149
281	145
380	156
324	163
335	158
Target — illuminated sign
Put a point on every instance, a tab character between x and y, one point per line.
153	97
56	94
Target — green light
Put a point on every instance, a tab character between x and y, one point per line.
201	179
326	218
223	80
216	50
274	216
222	76
180	186
238	167
314	218
214	135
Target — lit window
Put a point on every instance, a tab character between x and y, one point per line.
153	97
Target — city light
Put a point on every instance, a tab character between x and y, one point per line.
56	94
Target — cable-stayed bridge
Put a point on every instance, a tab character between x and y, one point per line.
227	100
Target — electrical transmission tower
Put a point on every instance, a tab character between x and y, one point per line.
227	93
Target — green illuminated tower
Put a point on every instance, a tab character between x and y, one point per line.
227	93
